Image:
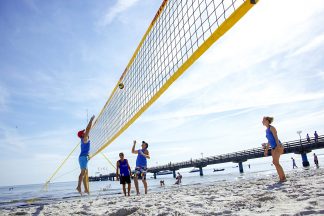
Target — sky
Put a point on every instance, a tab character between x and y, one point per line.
60	60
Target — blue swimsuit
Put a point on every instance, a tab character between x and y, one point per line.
83	158
271	139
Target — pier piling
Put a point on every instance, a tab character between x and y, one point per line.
201	171
241	167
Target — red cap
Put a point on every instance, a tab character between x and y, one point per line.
81	133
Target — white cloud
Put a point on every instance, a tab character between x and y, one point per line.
320	75
317	42
232	103
14	141
119	7
49	156
58	90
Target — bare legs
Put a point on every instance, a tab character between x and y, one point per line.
136	185
124	189
83	177
275	160
145	185
85	182
128	189
80	180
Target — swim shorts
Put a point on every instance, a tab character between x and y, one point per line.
125	179
140	172
83	161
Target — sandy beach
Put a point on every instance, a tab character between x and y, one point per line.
302	194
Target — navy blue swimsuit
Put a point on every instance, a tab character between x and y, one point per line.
123	167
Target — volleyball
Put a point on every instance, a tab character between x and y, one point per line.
121	85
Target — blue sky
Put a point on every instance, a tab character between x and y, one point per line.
59	59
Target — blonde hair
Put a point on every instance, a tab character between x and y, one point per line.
269	119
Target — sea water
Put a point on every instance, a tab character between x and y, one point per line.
26	195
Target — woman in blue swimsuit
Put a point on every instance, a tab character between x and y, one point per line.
276	147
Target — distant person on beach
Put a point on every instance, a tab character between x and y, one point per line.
308	138
141	165
294	163
276	147
178	178
316	137
84	157
124	174
316	160
162	183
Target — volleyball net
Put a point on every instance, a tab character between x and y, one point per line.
179	34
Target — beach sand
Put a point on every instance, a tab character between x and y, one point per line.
302	194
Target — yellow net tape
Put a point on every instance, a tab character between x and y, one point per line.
45	187
179	34
103	154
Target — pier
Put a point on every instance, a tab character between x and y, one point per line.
301	146
110	177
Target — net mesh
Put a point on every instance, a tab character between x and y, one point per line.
176	32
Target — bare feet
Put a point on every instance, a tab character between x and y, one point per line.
87	192
79	190
283	180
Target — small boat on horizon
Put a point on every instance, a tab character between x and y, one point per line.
194	170
164	172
